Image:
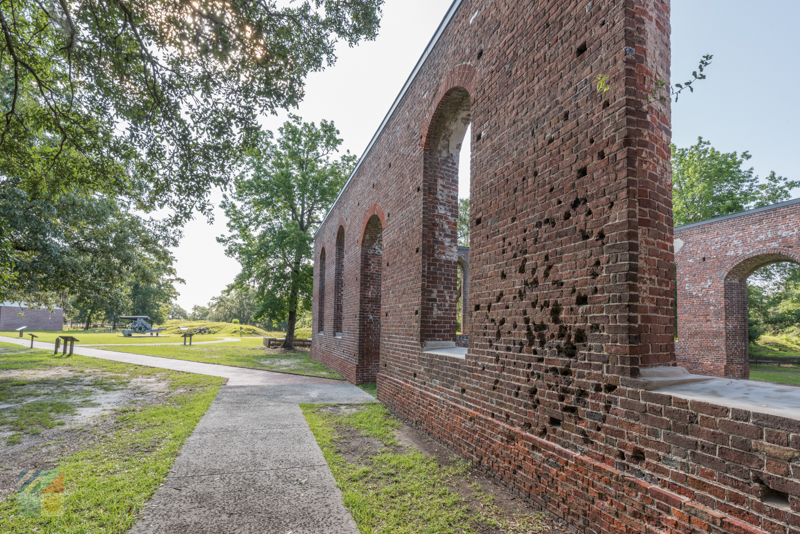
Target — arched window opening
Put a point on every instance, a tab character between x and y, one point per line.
773	323
370	302
441	178
338	295
321	294
761	277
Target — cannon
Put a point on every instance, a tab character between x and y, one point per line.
139	325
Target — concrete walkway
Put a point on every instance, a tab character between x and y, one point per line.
252	464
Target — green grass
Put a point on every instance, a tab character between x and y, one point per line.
108	483
402	491
789	375
372	389
228	329
249	353
781	346
89	338
777	346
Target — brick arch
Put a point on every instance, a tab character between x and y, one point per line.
374	210
322	261
447	120
742	267
338	281
464	76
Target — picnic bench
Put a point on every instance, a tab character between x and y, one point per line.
271	342
68	340
34	336
21	330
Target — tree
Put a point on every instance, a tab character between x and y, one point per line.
85	247
463	222
154	100
277	204
153	296
199	313
176	312
236	303
707	183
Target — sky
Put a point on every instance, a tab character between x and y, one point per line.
745	104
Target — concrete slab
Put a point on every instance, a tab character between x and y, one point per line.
759	397
453	352
296	501
661	377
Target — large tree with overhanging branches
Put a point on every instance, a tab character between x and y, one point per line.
150	101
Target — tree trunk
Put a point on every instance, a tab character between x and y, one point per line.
89	319
288	343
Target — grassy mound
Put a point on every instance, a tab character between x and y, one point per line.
218	329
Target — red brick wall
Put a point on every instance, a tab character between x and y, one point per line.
370	311
34	319
714	261
571	274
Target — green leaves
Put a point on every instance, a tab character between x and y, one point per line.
277	205
155	100
708	183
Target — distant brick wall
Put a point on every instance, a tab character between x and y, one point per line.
34	319
714	260
571	276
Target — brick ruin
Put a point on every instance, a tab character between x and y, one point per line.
715	258
13	316
571	277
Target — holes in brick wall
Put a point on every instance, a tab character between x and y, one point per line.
416	312
637	456
583	172
479	136
419	189
566	115
601	155
591	140
417	250
704	259
610	388
478	221
569	409
581	50
600	235
477	307
606	104
522	266
776	498
390	165
480	53
586	235
533	132
567	216
555	423
582	300
463	391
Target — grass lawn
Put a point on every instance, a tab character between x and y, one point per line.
91	338
113	461
249	352
782	346
789	375
391	486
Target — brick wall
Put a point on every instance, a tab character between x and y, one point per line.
34	319
714	260
571	275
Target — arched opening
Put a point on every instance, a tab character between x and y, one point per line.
443	151
462	307
773	302
338	295
321	294
370	304
737	309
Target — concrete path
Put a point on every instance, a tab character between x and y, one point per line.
252	464
177	344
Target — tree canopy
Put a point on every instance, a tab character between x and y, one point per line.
154	99
277	204
707	183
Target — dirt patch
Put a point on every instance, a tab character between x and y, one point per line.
54	372
474	487
285	363
94	420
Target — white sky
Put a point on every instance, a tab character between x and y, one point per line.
746	103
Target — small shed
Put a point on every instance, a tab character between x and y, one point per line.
14	315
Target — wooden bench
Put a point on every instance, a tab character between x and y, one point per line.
271	342
68	340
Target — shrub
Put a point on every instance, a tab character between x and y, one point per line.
235	321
